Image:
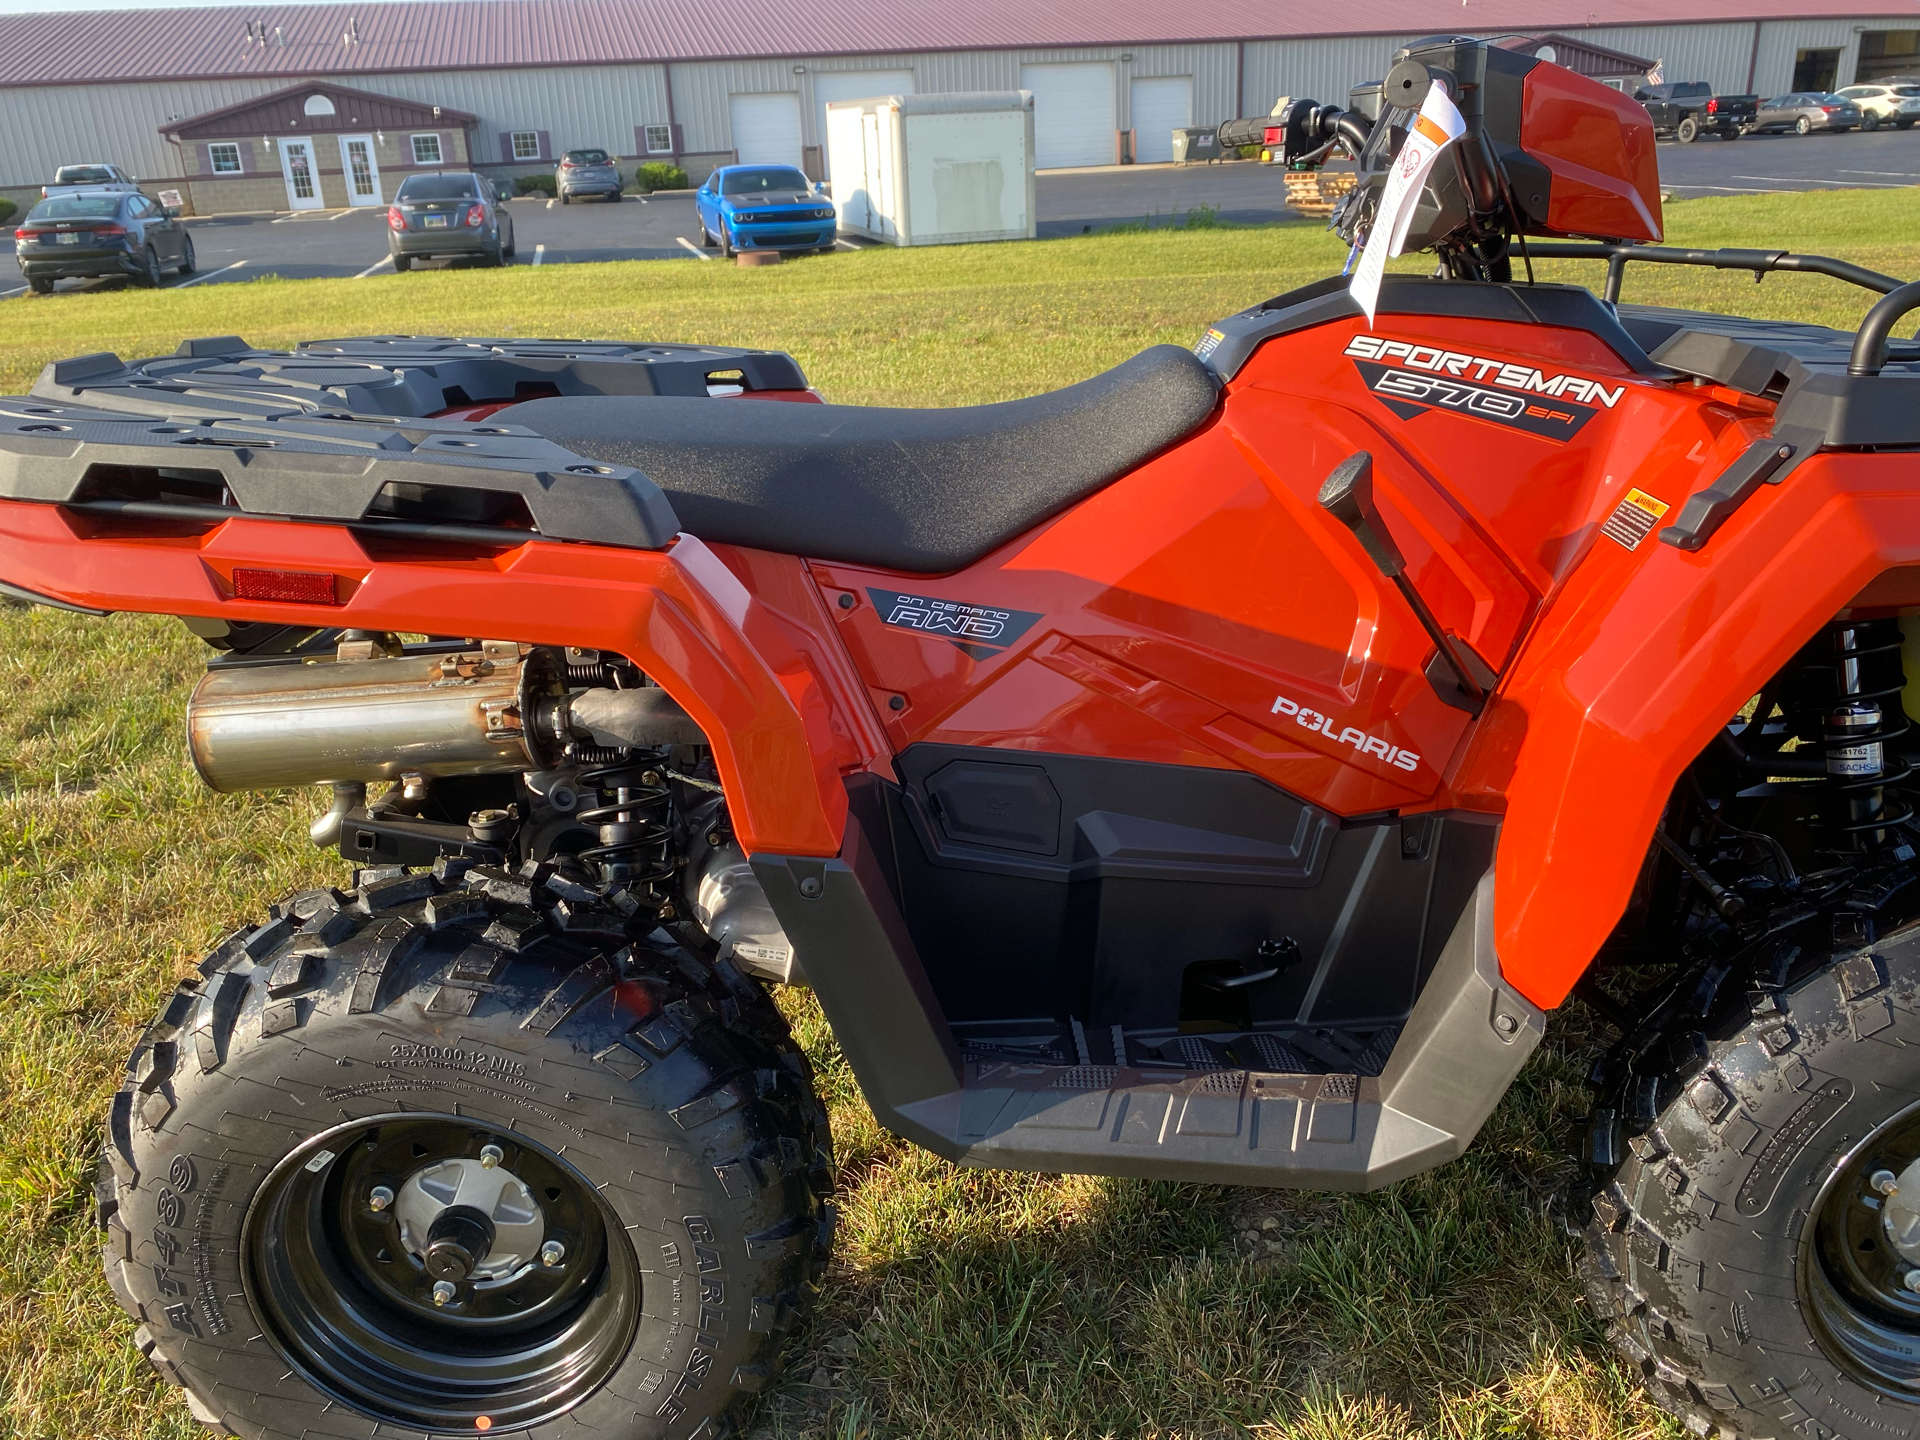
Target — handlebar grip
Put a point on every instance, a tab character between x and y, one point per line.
1249	131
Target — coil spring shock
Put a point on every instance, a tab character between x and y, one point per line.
633	818
596	668
1863	716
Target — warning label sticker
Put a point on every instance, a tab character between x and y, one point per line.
1633	519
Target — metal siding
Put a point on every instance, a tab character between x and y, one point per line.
1323	70
118	124
1780	39
596	105
1717	54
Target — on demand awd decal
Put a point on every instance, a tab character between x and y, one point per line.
1410	379
980	630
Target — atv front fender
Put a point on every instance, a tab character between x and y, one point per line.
1636	663
679	613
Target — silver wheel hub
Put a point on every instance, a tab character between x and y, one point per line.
493	1191
1900	1213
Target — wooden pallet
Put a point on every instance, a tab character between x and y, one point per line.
1316	192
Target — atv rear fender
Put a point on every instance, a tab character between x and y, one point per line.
1635	665
781	719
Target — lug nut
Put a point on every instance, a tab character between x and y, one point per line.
553	1252
1885	1181
1912	1281
491	1155
443	1292
380	1199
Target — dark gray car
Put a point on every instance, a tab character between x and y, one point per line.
1806	111
450	212
71	237
586	172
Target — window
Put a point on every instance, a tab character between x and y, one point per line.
659	139
760	180
77	207
426	150
439	187
225	159
526	144
318	105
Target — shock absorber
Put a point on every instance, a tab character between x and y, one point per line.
1864	717
633	820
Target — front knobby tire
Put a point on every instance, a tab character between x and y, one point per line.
1743	1254
645	1110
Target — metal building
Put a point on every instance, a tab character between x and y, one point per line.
286	106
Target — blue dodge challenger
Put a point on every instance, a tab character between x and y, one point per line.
763	207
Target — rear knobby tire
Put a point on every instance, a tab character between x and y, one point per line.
1702	1249
667	1087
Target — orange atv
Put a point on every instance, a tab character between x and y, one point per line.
1212	771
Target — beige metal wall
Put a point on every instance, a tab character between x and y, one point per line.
43	127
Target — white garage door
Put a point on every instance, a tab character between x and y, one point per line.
1073	120
1160	106
831	85
766	129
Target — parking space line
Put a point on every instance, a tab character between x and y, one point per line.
1901	174
383	260
1735	189
695	250
552	203
539	254
202	279
8	294
1809	180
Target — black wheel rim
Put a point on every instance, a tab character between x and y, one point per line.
351	1307
1859	1263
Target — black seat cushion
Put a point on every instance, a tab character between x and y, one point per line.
918	490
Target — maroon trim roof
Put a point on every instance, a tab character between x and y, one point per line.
284	110
1583	57
91	47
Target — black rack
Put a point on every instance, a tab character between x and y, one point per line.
352	432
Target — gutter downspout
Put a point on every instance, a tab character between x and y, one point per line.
1239	78
1753	57
673	124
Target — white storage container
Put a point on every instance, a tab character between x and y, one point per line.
933	169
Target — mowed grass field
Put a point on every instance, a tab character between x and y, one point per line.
962	1303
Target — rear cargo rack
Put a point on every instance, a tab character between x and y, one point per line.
357	432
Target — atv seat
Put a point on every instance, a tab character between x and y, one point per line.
918	490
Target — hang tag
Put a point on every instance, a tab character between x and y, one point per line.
1437	126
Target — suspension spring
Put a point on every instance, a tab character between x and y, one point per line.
633	818
1862	719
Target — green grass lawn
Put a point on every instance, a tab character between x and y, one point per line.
963	1303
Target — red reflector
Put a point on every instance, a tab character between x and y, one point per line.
1272	135
296	587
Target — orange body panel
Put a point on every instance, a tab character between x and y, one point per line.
1599	147
680	614
1204	611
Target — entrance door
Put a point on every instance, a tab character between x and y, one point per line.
766	129
1161	105
1816	70
361	169
302	174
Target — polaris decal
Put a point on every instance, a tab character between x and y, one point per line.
980	630
1411	379
1366	744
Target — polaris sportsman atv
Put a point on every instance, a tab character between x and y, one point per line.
1214	771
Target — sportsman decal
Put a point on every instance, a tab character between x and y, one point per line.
1347	735
1411	379
979	630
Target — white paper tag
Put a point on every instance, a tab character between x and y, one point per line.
1437	126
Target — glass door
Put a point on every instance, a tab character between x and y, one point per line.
302	175
360	168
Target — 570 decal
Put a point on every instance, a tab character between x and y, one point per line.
1411	379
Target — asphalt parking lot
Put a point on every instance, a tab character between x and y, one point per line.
353	242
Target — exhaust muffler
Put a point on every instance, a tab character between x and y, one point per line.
496	710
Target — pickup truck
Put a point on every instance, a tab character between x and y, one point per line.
72	179
1687	109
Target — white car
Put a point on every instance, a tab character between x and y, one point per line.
1884	104
83	179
